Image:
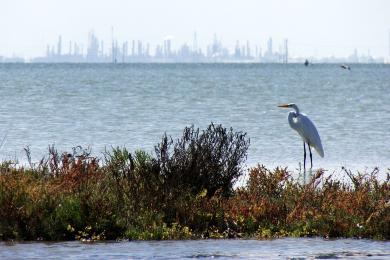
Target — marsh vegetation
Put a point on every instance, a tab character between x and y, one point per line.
184	190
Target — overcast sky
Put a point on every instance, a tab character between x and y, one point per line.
313	27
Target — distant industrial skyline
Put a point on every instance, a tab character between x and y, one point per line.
322	28
97	50
127	51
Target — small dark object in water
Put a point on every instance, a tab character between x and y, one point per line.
306	63
346	67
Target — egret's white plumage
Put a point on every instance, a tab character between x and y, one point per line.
305	128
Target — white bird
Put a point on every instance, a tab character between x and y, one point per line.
307	130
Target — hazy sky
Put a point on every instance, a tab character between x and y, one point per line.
313	27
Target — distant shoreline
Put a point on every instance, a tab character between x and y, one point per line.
208	62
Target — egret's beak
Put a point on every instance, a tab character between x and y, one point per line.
284	106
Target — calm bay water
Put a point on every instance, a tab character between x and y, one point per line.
289	248
104	105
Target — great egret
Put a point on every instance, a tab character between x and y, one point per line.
307	130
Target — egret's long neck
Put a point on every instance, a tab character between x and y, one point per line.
295	107
291	116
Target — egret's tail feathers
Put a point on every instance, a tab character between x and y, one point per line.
319	150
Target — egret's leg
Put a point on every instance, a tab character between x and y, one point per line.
311	158
304	157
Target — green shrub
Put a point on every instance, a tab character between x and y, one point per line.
210	159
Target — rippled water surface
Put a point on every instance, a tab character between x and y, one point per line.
133	105
297	248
